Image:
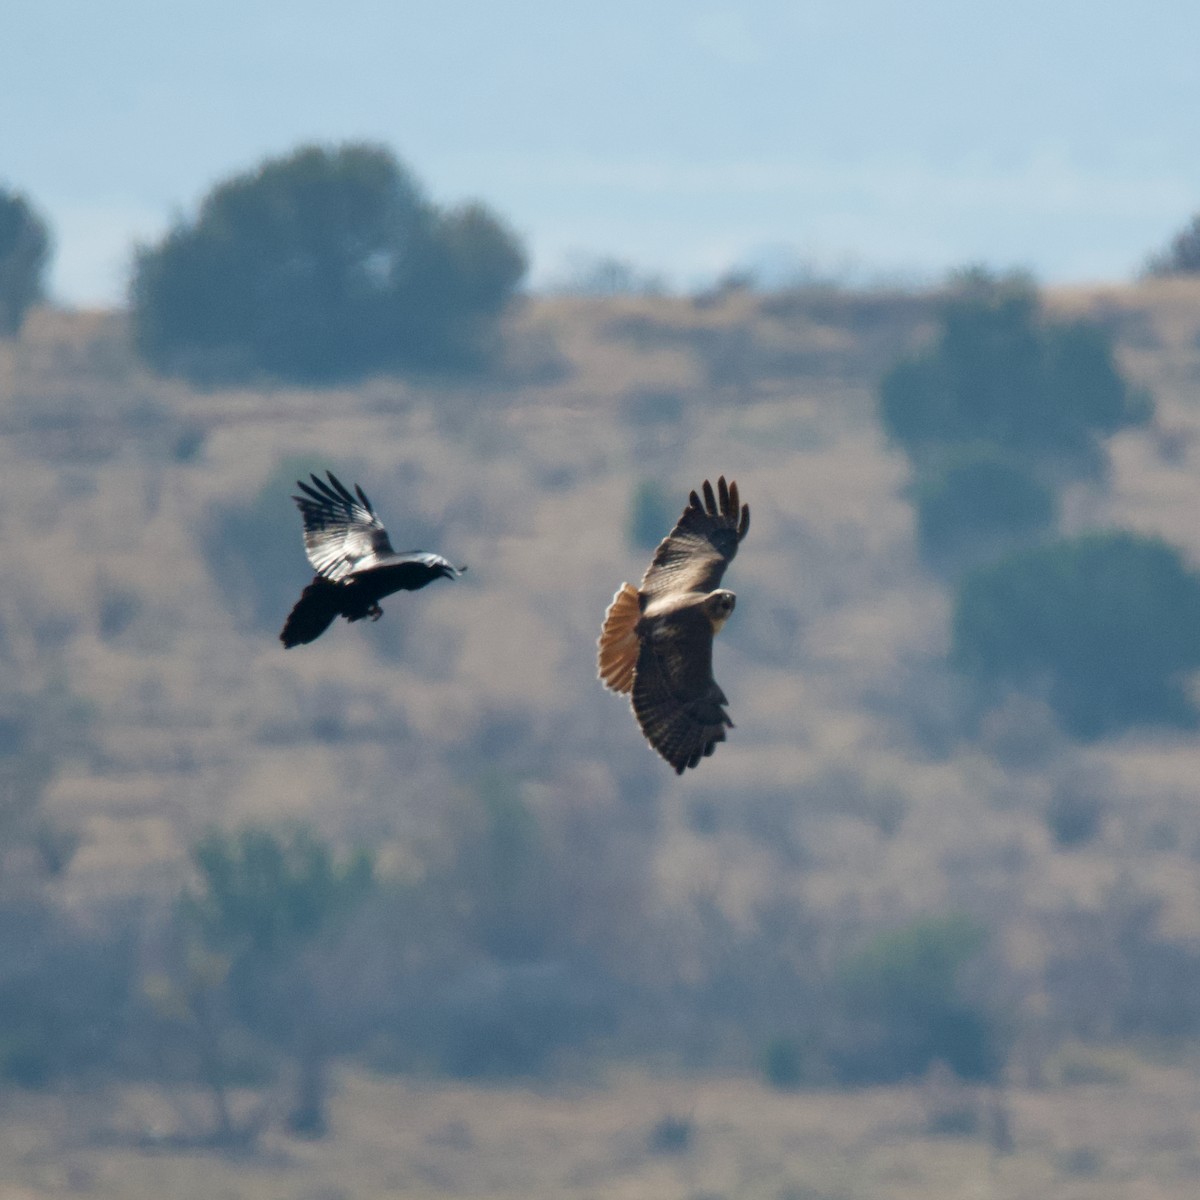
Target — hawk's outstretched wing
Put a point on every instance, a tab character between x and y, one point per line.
694	555
342	534
676	700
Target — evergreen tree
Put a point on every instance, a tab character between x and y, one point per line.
324	265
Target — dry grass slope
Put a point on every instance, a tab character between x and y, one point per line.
1099	1141
111	480
833	658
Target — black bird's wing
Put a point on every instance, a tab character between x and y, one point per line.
407	571
342	534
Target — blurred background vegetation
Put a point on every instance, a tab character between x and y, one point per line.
323	265
953	839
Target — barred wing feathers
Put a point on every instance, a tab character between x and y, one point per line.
694	555
676	700
342	534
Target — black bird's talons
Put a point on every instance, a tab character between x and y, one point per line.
374	612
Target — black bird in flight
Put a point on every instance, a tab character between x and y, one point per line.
355	563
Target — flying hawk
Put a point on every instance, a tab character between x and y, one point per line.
657	639
355	563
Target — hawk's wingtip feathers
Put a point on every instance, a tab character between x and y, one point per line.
724	504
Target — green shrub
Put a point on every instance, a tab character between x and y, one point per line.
262	895
261	925
1182	255
64	995
977	502
506	875
1085	1161
1075	814
671	1134
24	253
323	265
1001	374
1076	1064
783	1063
508	1019
1106	625
904	1011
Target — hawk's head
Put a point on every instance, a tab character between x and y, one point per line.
718	605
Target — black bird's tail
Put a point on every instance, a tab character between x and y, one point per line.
314	612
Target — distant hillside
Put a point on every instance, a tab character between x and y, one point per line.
148	574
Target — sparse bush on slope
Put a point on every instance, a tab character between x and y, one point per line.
326	264
1002	374
1182	254
24	254
901	995
266	907
1106	625
978	502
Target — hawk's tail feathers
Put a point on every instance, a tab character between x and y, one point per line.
681	735
618	640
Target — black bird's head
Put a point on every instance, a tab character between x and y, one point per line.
438	567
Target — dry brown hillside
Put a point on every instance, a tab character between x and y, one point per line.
839	782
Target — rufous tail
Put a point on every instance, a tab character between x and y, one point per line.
618	640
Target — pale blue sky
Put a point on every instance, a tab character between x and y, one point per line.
687	137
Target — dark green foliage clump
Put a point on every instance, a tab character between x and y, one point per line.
1001	374
64	994
506	873
323	265
784	1063
1182	255
1107	625
264	895
24	253
507	1019
38	732
672	1134
977	502
530	991
264	917
901	997
1075	814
